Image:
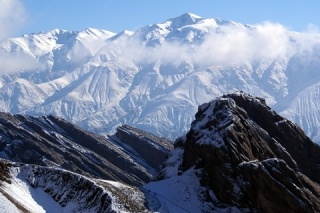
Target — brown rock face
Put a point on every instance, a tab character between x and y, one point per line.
253	158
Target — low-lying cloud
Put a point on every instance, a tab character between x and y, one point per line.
17	63
12	16
228	45
235	46
225	45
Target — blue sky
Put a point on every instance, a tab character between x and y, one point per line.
118	15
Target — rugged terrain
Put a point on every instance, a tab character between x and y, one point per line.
32	188
238	156
241	156
51	141
154	78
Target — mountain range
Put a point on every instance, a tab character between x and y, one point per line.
153	78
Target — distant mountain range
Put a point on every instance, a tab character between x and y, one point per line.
155	77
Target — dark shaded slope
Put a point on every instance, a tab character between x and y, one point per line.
154	150
56	142
305	152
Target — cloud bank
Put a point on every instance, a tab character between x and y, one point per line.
227	46
12	16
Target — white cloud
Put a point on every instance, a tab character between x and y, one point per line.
168	52
12	16
239	45
230	45
312	28
17	63
225	45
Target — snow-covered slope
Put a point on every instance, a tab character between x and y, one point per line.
155	77
31	188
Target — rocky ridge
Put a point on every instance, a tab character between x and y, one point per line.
248	158
52	141
72	192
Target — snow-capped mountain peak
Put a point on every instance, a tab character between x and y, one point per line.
184	20
155	77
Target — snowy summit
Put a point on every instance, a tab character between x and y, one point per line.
155	77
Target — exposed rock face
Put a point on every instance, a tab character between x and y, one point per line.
251	157
154	150
4	171
49	140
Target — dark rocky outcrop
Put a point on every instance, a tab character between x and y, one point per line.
154	150
52	141
251	157
4	171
